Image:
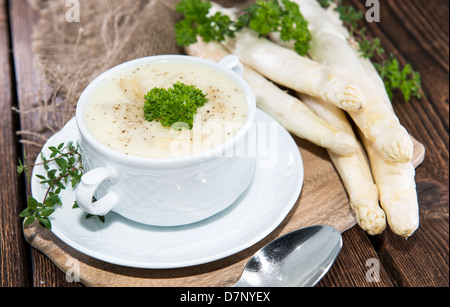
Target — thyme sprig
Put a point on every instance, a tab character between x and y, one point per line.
63	168
396	78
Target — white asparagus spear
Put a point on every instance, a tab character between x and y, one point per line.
291	70
396	183
397	189
365	63
354	171
293	114
377	120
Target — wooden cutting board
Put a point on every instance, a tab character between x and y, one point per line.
323	200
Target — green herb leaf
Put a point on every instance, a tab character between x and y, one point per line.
32	203
24	167
20	168
45	222
47	212
370	48
406	80
325	3
263	17
278	16
26	213
197	22
52	201
67	160
29	220
62	163
52	174
174	105
349	15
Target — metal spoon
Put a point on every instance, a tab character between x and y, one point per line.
298	259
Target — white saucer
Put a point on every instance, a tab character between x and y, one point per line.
271	196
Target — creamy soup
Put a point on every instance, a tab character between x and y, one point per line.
114	114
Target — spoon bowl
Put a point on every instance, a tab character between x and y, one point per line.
298	259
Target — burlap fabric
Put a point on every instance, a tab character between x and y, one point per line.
69	53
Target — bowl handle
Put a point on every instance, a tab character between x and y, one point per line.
232	62
86	190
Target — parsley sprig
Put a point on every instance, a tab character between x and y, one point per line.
174	107
63	168
278	16
197	22
396	78
263	17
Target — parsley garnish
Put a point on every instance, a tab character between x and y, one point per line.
263	17
174	105
395	78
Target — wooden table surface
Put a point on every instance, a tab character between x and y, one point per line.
416	31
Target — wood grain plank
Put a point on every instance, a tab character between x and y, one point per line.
13	258
429	26
405	41
429	57
412	31
409	263
357	258
23	18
